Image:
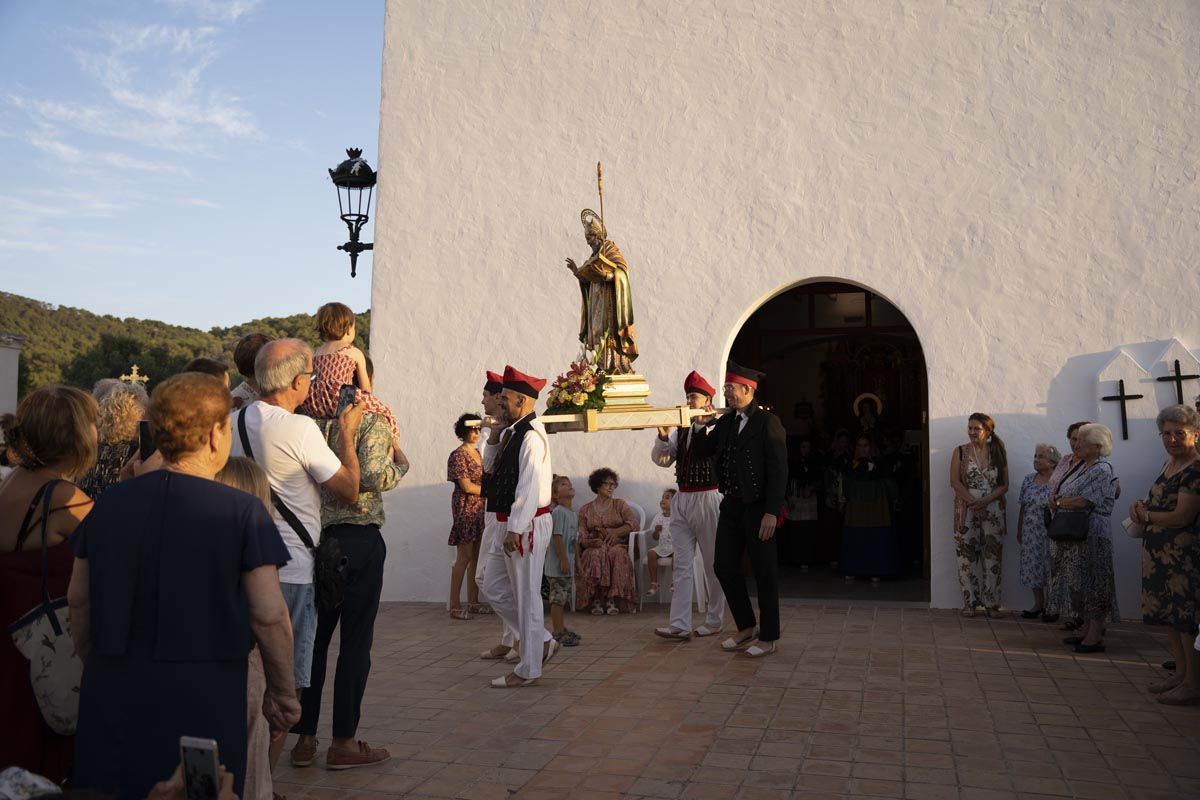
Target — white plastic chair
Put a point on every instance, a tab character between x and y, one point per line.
641	564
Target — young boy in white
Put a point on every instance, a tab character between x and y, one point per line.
660	536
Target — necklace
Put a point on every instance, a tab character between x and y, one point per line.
975	451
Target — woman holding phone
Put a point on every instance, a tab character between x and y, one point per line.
175	577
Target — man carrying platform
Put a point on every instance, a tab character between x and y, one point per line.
493	423
694	511
750	450
519	495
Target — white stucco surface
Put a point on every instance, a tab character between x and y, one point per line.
1018	179
10	356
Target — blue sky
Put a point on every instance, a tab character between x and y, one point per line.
166	159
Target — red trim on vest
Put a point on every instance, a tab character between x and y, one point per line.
691	489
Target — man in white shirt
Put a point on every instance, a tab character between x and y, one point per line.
297	460
493	422
694	512
519	495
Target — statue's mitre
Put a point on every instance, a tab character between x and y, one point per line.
593	221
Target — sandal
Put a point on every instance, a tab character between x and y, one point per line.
479	608
496	653
460	613
734	643
760	649
653	590
597	611
612	609
968	612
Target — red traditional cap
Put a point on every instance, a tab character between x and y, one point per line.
494	382
518	381
695	382
735	373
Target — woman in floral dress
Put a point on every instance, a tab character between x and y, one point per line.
979	478
1171	552
465	470
1092	488
1031	528
605	571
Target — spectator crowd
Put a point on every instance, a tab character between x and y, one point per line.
196	549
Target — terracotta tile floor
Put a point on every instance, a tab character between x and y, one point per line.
878	702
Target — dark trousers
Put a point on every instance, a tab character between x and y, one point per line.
737	532
363	547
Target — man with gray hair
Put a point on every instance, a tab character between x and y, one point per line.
298	463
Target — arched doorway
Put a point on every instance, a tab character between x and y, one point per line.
842	361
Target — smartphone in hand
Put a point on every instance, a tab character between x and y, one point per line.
199	757
346	396
146	445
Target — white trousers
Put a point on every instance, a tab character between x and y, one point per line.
513	586
508	636
694	524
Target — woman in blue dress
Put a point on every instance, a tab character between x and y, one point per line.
1093	488
175	577
1031	528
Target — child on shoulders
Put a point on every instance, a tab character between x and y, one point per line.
337	362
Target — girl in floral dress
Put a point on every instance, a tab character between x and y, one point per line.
979	478
339	362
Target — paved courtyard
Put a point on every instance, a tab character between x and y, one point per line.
862	702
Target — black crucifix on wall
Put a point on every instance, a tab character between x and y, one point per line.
1121	397
1178	380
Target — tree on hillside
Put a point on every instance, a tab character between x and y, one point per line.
115	354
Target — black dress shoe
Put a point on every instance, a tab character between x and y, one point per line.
1050	618
1033	614
1089	648
1073	640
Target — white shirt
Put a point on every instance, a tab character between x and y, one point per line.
741	415
297	461
664	453
244	392
536	476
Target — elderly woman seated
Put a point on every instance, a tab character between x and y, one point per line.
606	580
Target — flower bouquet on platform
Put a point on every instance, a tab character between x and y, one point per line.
579	388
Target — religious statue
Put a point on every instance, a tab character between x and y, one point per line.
606	323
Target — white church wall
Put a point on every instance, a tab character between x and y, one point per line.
10	357
1018	180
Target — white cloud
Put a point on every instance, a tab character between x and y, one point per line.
227	11
20	246
60	150
200	202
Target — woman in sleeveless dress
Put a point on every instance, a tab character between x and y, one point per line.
979	478
52	441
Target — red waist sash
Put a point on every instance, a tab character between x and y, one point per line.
502	516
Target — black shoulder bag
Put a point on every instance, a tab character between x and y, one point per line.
1069	524
329	565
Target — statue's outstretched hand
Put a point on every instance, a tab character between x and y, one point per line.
571	265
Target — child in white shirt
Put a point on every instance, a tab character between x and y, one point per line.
660	535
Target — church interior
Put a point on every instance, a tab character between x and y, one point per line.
846	375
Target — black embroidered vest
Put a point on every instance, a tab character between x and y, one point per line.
691	472
506	472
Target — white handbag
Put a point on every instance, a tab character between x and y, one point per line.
43	635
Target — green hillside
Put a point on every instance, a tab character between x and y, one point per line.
76	347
